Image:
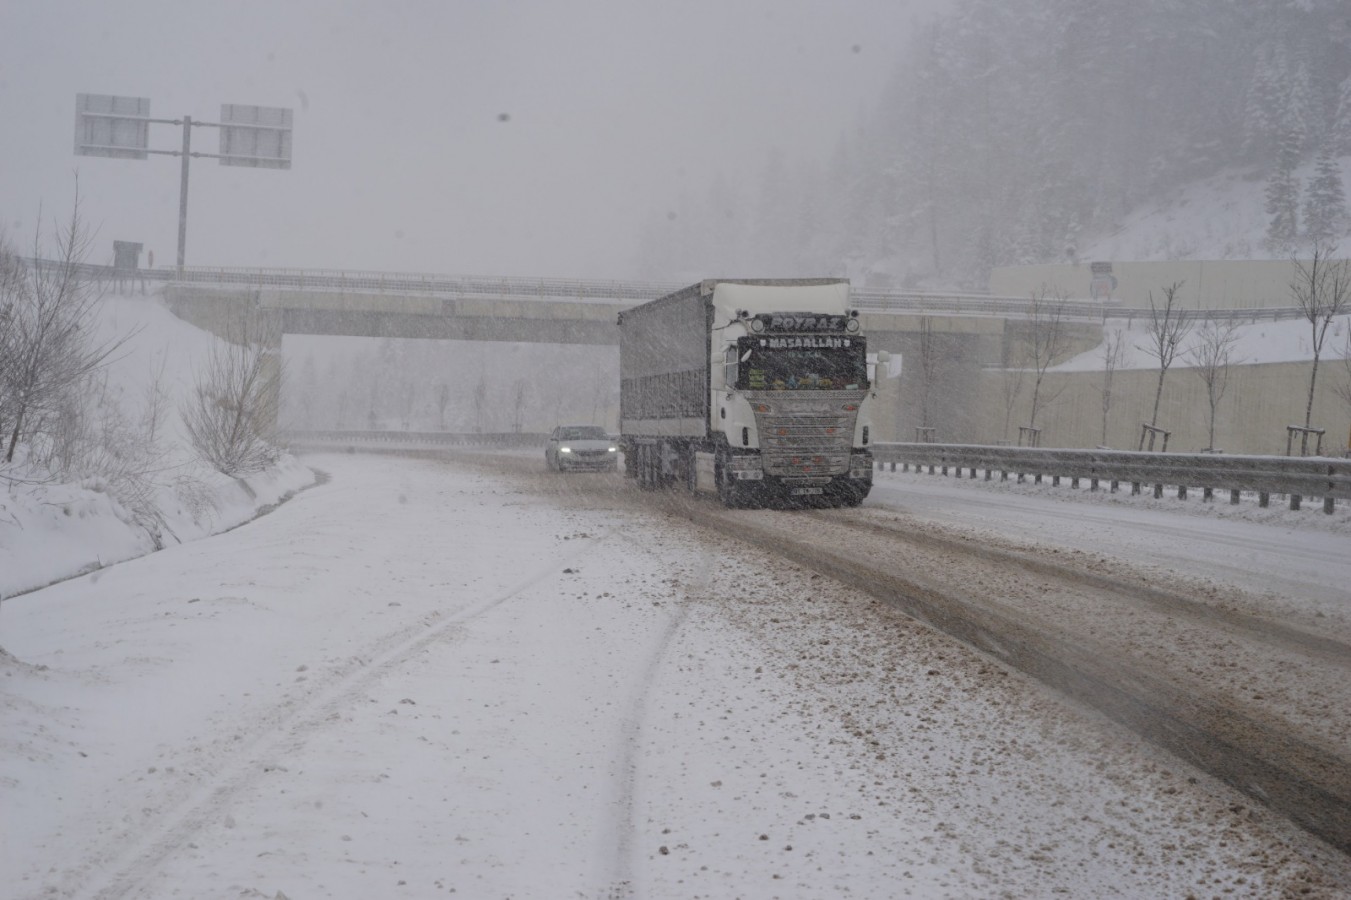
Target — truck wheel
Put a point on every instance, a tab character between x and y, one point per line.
729	492
646	469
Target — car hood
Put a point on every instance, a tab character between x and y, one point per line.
588	444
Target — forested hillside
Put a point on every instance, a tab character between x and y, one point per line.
1015	131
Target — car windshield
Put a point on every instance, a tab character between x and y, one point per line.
582	433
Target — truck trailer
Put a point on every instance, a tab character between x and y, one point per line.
756	390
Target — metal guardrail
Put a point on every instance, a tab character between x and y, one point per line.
620	292
389	439
1296	477
1012	307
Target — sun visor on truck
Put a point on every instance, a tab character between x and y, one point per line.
756	298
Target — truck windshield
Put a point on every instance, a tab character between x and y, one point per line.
839	365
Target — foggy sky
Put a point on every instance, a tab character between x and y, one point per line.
513	138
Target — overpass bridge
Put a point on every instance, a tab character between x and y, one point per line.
968	338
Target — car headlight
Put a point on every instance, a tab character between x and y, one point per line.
614	449
564	449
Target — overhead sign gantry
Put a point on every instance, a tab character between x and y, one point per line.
119	127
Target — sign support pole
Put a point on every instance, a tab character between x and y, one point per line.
183	194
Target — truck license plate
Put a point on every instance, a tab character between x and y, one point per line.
800	492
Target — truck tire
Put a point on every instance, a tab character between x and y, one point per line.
647	467
729	492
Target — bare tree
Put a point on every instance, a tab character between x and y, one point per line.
233	409
518	396
442	401
48	347
1047	344
1343	387
1321	289
1011	388
11	282
1210	354
407	400
1113	350
480	402
1167	329
602	394
928	371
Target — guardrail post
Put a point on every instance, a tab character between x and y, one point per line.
1207	495
1263	499
1295	501
1182	492
1233	497
1135	488
1158	491
1328	504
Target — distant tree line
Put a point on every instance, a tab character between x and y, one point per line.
1012	129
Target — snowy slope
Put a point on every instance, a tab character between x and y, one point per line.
50	531
1222	217
1285	340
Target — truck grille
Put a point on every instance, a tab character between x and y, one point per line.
804	435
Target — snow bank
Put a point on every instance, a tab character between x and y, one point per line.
1287	340
52	531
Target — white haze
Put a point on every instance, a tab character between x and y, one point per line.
522	138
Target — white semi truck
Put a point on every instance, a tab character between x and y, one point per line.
757	390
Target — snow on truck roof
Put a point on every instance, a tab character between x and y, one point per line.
767	298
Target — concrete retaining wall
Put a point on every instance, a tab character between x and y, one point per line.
1206	284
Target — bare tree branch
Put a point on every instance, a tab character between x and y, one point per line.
1167	329
1211	355
1047	345
233	409
1113	349
1321	288
49	345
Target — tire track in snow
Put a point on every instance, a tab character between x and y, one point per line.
121	868
622	886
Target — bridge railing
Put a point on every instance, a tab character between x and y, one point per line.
416	282
1012	307
620	292
1296	477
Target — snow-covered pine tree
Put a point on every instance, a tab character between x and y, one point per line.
1325	214
1283	197
1339	132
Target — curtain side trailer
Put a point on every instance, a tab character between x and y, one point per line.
757	390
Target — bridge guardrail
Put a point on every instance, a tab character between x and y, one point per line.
620	292
1297	477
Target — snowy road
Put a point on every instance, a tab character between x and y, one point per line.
424	678
1302	569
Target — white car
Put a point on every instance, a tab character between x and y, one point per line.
581	447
